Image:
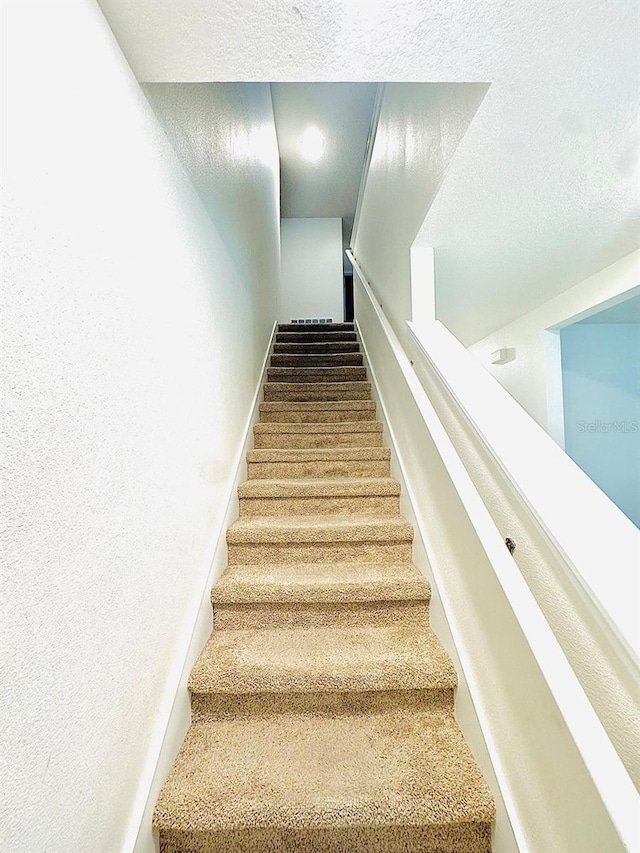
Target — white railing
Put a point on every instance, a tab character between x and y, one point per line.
595	540
583	727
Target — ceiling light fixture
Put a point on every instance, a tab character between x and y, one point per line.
312	144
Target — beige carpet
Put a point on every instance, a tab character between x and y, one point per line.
322	704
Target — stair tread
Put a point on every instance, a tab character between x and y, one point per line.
317	487
317	405
402	767
320	582
312	387
339	368
317	391
320	335
334	373
326	359
319	659
318	454
319	348
312	327
314	428
319	528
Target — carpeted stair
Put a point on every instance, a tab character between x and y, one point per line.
322	704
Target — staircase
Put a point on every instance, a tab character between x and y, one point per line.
322	704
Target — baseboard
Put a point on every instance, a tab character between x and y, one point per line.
175	713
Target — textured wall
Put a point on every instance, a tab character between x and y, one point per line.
419	129
525	376
311	284
133	337
542	192
223	134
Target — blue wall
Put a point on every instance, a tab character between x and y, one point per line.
601	386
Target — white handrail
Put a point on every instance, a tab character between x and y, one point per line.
609	775
597	543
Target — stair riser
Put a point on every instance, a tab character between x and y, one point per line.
323	392
319	552
315	337
317	374
293	441
321	594
311	470
322	416
460	838
326	348
316	428
379	506
207	706
298	327
347	359
314	397
272	615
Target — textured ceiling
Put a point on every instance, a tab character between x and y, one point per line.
543	190
342	114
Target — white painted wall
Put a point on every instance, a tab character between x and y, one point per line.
207	125
543	738
526	378
311	279
419	129
543	191
133	341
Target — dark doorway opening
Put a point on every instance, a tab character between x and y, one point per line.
348	297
